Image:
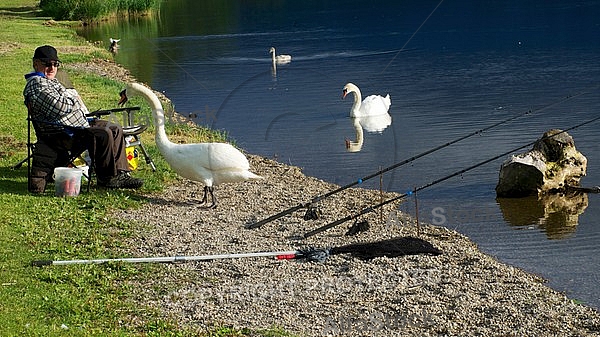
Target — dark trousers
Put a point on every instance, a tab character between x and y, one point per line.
106	144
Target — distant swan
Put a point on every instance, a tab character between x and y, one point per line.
279	59
114	46
210	163
371	106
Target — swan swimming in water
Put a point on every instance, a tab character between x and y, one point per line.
279	59
209	163
372	105
114	46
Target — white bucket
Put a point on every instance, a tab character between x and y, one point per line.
67	181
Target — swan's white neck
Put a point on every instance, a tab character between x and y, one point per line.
357	102
162	141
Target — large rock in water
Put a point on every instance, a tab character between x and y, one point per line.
551	166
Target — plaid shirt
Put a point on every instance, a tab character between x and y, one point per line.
51	103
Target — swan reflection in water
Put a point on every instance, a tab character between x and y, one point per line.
372	124
555	214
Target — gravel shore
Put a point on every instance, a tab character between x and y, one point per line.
461	292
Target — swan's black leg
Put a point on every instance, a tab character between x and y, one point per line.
204	202
204	199
212	195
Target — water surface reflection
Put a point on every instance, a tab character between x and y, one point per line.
371	124
466	68
555	214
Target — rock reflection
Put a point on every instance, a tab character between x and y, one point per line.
555	214
372	124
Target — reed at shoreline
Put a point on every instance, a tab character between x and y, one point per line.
94	10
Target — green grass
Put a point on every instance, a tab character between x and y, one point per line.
77	300
90	10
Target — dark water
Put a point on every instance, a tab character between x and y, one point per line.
451	68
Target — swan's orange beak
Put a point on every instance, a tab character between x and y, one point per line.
344	93
124	98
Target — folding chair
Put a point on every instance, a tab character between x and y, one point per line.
51	150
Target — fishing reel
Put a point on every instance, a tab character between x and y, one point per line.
358	227
312	213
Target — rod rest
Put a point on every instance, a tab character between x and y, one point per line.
128	130
99	113
134	130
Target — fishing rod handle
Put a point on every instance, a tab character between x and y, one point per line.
353	216
41	263
276	216
337	222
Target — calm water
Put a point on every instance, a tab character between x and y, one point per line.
450	69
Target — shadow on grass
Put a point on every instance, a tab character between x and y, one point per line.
13	180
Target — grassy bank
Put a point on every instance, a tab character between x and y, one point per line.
90	10
79	300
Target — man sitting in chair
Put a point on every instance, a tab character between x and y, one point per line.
60	111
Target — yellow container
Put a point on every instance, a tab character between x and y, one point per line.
132	157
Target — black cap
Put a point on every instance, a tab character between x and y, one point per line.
46	53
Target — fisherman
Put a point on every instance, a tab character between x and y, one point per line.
61	116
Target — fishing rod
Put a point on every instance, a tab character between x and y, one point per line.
318	198
393	247
172	259
401	196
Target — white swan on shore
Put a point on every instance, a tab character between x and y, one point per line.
371	106
209	163
279	59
